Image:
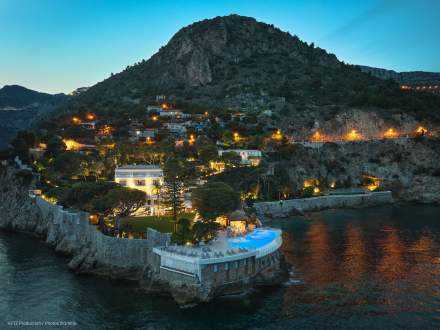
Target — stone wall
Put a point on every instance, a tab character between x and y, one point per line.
69	232
286	208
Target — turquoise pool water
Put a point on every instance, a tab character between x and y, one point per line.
254	240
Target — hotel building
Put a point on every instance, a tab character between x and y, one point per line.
147	178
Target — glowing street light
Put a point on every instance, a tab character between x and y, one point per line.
277	136
390	134
192	139
91	116
317	137
421	131
353	135
236	137
76	120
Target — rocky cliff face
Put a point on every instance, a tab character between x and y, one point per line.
68	233
405	78
91	252
237	63
216	58
409	168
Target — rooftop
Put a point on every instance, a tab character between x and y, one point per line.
139	167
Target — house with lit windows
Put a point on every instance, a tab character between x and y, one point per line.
147	178
248	157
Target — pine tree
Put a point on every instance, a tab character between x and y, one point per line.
173	189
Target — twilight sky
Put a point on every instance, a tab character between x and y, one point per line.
59	45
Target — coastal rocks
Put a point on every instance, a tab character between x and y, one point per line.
409	168
69	233
287	208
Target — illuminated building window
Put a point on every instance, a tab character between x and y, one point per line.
139	182
123	183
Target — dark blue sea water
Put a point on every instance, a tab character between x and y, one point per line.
373	268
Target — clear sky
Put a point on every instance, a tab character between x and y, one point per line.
59	45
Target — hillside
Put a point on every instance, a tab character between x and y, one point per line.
17	97
237	63
405	78
20	106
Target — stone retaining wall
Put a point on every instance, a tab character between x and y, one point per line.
286	208
72	233
69	232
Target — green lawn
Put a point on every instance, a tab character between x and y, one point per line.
164	224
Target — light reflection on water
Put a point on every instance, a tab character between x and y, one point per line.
373	268
353	264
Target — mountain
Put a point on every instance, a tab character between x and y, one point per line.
17	96
412	78
20	106
238	63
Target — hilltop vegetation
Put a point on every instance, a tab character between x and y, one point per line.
20	106
235	62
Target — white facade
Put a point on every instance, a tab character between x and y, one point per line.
248	157
146	178
142	134
153	108
175	128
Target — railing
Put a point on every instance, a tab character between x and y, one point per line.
270	248
191	264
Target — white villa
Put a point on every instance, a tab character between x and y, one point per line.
88	124
248	157
140	134
174	114
143	177
176	128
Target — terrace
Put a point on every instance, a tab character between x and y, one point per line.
188	259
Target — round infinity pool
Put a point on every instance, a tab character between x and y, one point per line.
254	240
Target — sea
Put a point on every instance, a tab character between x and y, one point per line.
375	268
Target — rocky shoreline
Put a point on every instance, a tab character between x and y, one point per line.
287	208
69	233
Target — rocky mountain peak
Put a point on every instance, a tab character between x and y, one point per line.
237	63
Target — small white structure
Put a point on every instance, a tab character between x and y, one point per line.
148	178
88	124
174	114
175	128
141	134
248	157
154	108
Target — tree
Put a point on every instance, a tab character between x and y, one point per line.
80	195
119	202
215	199
183	233
212	200
208	153
70	164
55	146
173	186
231	159
97	167
21	143
204	231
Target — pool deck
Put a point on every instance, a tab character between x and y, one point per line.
219	250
